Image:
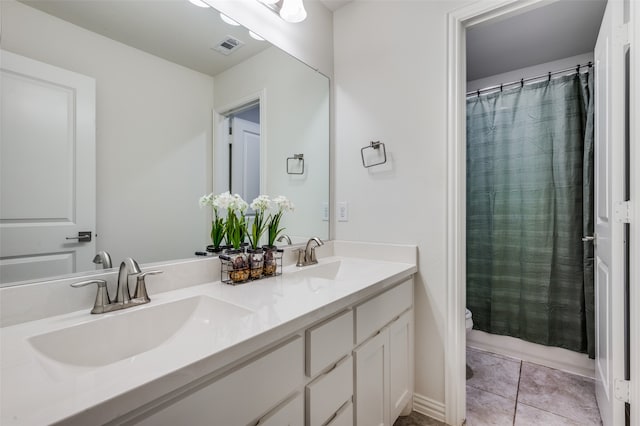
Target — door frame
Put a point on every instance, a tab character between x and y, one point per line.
634	128
455	339
219	115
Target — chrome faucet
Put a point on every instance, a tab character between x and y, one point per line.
129	267
308	255
284	237
103	258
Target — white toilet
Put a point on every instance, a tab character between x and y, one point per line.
468	321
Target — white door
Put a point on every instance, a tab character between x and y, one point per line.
47	166
609	178
245	154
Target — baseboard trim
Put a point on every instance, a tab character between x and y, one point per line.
429	407
558	358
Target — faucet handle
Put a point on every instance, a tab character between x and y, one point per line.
301	256
102	297
141	286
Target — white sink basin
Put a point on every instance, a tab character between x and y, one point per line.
124	334
328	271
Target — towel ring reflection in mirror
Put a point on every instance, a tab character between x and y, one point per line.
291	167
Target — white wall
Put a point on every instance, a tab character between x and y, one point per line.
297	121
390	85
153	135
530	72
310	41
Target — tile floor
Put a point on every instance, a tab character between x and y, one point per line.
505	391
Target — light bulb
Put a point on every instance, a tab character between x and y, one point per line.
199	3
228	20
293	11
255	36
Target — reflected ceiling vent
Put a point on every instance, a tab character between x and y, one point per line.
228	45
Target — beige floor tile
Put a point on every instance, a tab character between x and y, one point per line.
488	409
561	393
531	416
494	373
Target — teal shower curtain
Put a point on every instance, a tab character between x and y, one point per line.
529	202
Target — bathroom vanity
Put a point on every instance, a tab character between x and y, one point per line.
330	344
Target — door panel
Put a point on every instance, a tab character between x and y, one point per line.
609	243
400	364
372	379
47	156
245	179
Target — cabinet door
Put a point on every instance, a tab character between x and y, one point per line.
372	381
400	364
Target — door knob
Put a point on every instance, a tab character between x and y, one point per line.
588	238
83	237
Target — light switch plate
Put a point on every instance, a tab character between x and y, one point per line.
343	211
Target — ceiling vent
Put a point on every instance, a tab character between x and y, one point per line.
228	45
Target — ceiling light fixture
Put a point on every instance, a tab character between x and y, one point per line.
228	20
199	3
255	36
293	11
289	10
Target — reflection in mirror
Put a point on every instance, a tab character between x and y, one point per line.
136	82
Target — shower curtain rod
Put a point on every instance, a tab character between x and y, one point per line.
522	81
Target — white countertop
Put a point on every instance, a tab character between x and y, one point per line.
36	390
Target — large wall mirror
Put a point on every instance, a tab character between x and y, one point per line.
167	82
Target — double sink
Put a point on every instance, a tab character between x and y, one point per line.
108	338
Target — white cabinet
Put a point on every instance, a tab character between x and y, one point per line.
372	381
353	367
400	364
329	392
242	396
374	314
344	416
328	341
290	413
384	362
329	345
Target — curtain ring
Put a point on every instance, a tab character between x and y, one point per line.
478	92
522	82
549	75
501	88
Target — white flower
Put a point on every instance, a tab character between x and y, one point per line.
283	204
238	204
223	201
206	200
261	203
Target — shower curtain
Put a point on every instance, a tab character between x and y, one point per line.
529	202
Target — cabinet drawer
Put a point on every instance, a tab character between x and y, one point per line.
329	392
291	413
344	417
374	314
241	396
328	342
